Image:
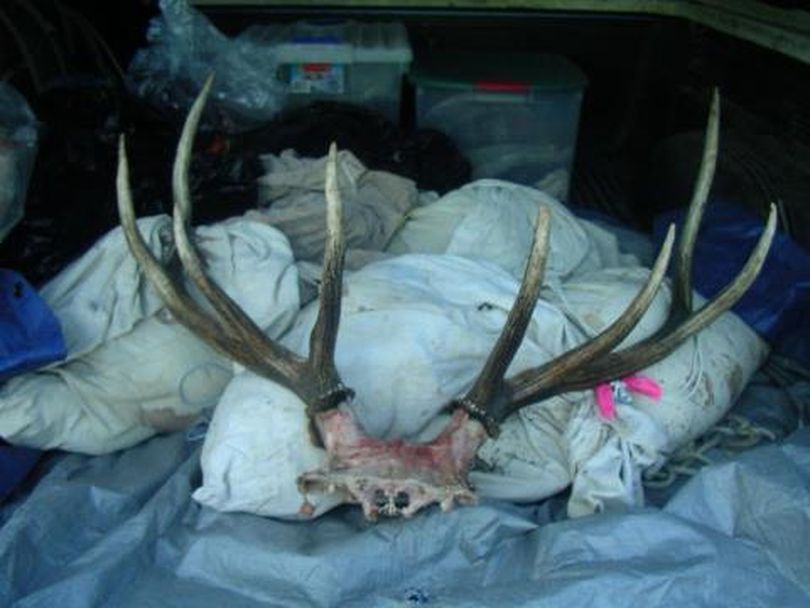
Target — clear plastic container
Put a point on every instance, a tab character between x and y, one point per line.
349	61
18	148
515	116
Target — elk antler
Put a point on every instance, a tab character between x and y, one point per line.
492	399
393	478
398	477
229	329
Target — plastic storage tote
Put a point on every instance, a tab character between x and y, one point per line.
349	61
514	116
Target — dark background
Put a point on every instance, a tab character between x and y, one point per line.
642	117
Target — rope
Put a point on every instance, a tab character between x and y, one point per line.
735	433
692	381
731	436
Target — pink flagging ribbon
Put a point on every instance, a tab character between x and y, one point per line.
641	385
605	401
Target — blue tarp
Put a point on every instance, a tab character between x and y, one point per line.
121	530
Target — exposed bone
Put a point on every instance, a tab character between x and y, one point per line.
394	478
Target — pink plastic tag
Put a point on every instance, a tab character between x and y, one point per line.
643	385
605	401
607	392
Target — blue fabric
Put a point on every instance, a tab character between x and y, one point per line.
777	305
30	335
15	464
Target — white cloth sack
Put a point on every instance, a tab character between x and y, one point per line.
291	197
415	331
701	380
131	370
494	220
256	447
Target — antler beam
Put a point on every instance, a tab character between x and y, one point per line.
229	329
593	362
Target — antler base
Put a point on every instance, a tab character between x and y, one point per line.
395	478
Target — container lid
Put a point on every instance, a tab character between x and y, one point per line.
331	41
510	72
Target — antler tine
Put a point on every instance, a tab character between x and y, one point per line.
323	338
229	329
537	381
489	384
682	297
182	158
533	385
173	296
185	310
272	358
662	343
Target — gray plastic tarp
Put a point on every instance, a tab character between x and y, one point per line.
122	530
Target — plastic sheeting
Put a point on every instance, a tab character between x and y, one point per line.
185	47
121	530
18	147
29	337
15	464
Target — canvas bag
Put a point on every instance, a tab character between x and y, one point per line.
291	198
415	330
493	220
132	370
